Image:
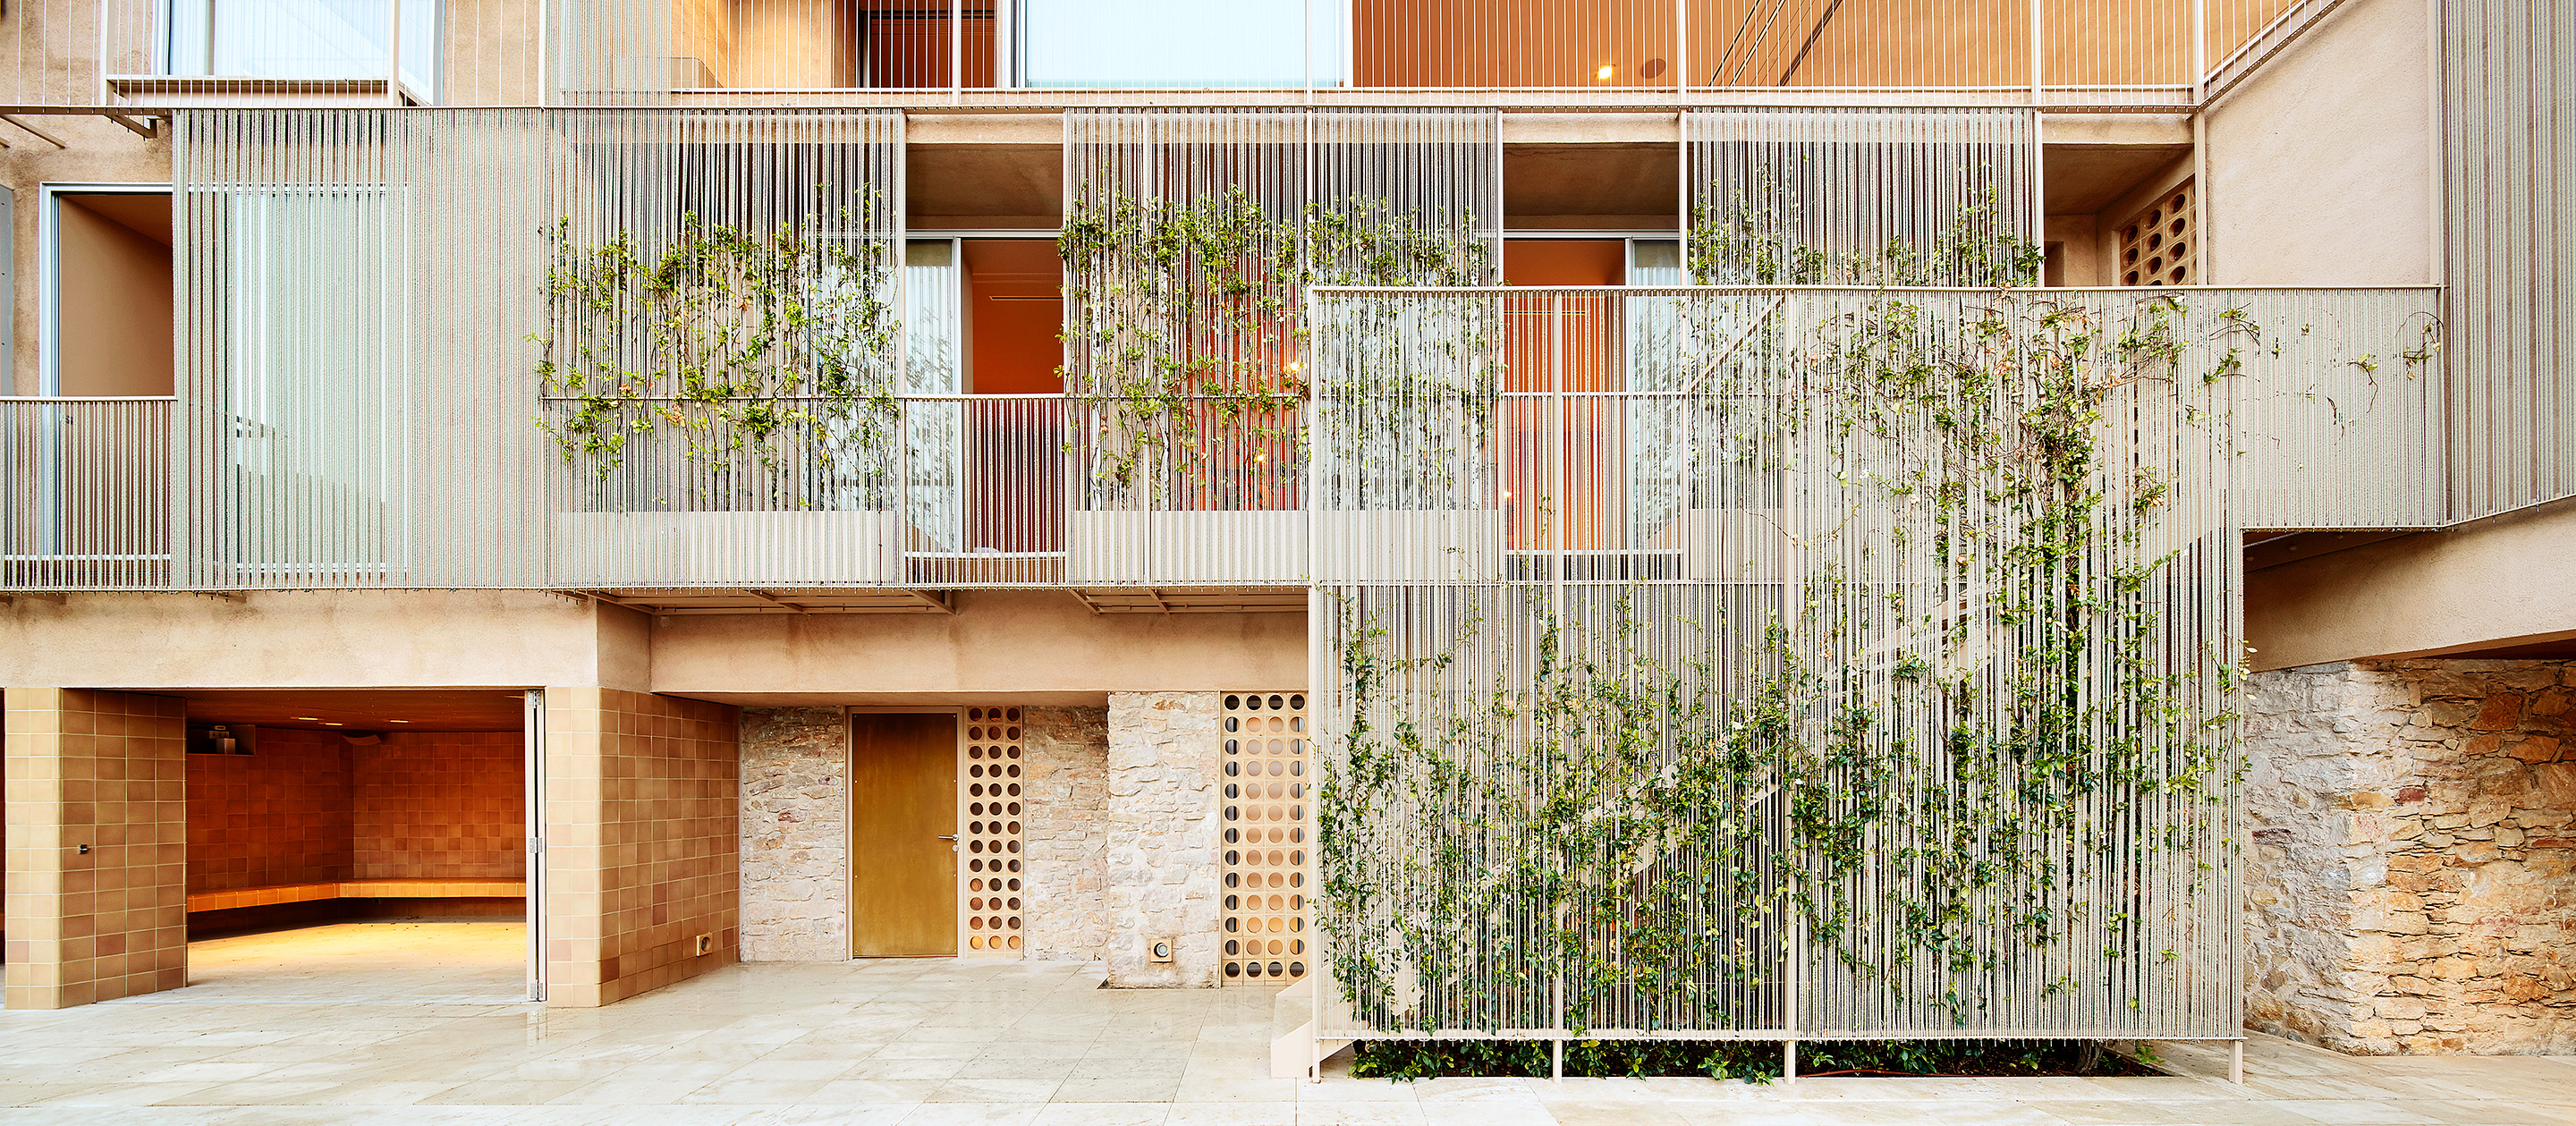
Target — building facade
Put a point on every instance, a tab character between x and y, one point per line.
1779	520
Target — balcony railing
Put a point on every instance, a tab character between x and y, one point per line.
171	53
2082	51
1447	436
84	493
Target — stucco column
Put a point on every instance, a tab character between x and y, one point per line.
1163	874
97	888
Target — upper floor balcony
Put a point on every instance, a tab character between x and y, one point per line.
146	54
601	350
1471	436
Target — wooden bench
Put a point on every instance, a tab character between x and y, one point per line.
429	888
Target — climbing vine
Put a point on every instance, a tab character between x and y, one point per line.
1973	747
1186	331
1758	236
770	347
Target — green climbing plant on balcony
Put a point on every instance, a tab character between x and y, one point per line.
1961	736
770	348
1185	328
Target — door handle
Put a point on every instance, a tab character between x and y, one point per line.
949	839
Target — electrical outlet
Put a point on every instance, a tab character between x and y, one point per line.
706	944
1159	950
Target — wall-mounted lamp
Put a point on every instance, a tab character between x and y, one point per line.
222	739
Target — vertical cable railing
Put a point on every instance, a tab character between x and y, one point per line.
84	493
1797	531
2509	252
985	489
165	53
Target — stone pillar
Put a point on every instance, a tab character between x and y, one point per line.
2411	885
795	835
1064	836
643	838
1163	877
97	886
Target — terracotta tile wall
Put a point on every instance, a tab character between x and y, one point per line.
279	815
642	812
440	805
106	770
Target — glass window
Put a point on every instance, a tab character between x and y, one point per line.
1182	43
304	39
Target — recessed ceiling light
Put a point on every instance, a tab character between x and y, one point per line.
305	717
397	721
1607	69
328	723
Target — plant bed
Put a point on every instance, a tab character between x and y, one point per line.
1754	1061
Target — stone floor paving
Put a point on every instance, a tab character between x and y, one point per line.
929	1042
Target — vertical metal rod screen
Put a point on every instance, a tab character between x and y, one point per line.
1851	662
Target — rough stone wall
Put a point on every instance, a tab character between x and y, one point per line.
2411	886
1064	833
1163	879
795	837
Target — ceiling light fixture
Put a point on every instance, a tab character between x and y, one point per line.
1607	69
309	718
397	721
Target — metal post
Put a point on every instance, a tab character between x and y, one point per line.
956	52
2038	71
393	54
533	739
1681	48
1789	1062
2236	1061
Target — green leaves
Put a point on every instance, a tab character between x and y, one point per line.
739	344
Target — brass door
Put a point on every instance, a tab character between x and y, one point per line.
903	829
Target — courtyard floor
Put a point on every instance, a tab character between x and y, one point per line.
936	1041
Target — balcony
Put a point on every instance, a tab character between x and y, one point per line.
301	52
2108	52
159	54
1501	436
86	505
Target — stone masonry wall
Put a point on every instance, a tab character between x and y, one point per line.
2411	885
1064	834
795	838
1163	879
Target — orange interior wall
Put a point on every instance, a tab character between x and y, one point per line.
1574	339
278	816
908	49
1512	43
1016	288
440	804
307	806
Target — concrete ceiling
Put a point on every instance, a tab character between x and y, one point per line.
144	213
1619	184
2084	179
1634	184
326	709
986	185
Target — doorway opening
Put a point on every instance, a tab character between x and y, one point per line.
935	862
356	846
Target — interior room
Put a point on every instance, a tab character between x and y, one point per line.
354	844
112	293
